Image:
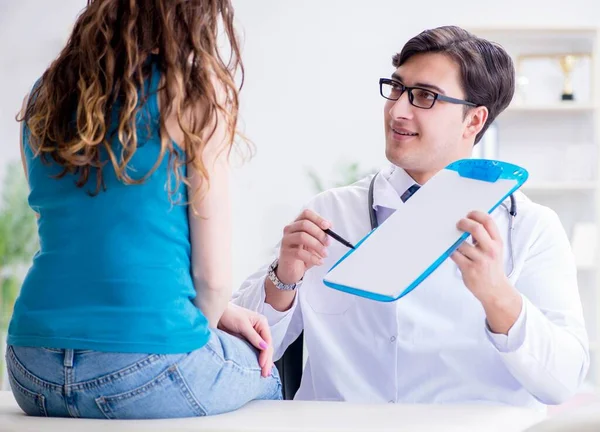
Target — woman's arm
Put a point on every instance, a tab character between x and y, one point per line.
22	142
210	230
209	215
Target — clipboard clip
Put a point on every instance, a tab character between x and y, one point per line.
485	170
489	170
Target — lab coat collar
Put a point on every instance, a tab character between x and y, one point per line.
390	184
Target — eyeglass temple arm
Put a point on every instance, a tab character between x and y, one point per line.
454	100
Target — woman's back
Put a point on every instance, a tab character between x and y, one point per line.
126	144
113	270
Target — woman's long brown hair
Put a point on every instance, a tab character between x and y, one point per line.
105	61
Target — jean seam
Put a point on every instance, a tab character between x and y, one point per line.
42	405
103	402
122	373
278	392
60	350
231	362
138	390
38	398
103	407
69	374
52	350
29	375
189	395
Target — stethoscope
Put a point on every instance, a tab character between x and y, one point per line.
512	212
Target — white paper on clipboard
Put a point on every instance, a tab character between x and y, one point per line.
396	257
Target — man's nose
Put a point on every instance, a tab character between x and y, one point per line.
402	108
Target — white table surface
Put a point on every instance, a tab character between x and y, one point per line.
292	416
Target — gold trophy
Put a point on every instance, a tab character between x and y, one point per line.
567	63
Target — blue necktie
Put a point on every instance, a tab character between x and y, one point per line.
409	192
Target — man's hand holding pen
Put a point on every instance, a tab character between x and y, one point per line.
304	245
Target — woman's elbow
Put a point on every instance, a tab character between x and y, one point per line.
213	284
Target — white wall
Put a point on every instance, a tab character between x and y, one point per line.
31	34
311	97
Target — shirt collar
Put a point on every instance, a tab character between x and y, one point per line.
390	184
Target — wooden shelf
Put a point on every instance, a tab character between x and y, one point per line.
536	33
591	30
547	113
556	107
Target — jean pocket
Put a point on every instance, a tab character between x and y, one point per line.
165	396
32	403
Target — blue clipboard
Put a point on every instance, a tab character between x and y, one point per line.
393	259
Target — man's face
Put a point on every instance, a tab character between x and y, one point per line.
423	141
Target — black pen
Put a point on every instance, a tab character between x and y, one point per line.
340	239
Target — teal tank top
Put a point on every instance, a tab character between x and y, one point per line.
113	272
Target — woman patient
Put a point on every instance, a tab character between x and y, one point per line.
126	137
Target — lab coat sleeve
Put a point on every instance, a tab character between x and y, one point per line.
547	349
285	326
516	334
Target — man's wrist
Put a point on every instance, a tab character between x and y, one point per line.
502	311
279	300
499	298
284	278
284	285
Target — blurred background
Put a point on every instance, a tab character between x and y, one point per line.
311	106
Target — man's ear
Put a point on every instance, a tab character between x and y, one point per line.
474	121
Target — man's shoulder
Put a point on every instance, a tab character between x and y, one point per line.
535	217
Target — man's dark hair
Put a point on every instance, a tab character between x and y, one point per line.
487	71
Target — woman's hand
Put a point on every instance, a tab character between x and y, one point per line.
253	327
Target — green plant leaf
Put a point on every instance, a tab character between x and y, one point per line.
18	237
316	181
18	227
9	290
346	175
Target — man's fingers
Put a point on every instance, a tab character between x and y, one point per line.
314	218
461	261
469	251
310	259
488	223
308	227
306	241
478	232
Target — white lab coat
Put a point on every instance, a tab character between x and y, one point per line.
433	345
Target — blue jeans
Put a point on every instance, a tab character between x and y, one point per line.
221	376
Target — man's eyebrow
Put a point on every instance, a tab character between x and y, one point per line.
420	84
431	86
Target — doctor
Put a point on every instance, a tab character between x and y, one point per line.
500	322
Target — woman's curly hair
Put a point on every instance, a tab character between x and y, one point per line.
105	62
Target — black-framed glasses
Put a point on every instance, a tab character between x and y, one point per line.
417	96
